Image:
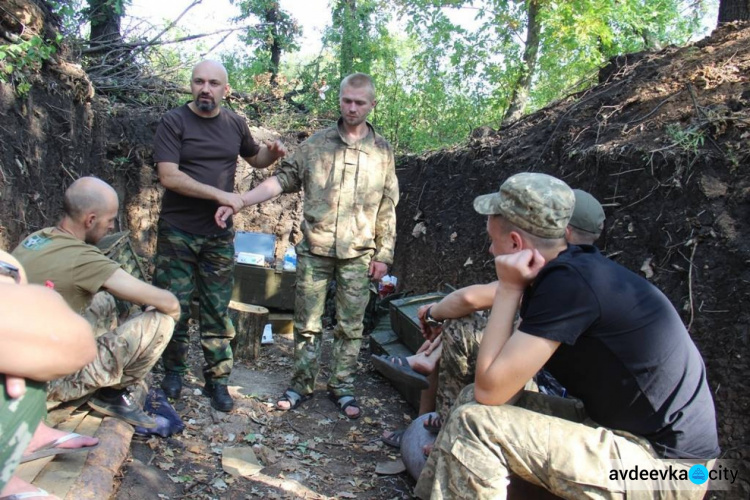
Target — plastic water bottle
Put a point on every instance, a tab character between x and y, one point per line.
290	259
267	337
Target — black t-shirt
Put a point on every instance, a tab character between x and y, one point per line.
624	352
206	149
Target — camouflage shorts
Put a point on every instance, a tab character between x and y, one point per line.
19	418
544	440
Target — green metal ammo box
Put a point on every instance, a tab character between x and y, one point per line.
404	320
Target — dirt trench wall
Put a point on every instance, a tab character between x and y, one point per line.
677	201
49	139
52	137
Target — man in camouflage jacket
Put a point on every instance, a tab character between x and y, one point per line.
348	176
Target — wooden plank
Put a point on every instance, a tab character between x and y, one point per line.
59	475
31	470
96	481
62	412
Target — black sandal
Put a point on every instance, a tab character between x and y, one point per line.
294	399
433	423
394	440
344	402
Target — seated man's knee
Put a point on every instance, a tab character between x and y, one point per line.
466	395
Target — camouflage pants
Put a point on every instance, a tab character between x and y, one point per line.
124	356
458	361
544	440
186	262
102	313
19	418
352	295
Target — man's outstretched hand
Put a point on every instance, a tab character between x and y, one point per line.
276	149
221	216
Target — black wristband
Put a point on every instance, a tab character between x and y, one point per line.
430	320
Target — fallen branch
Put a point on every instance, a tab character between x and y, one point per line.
690	284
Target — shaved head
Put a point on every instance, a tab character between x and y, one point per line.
211	66
359	81
86	195
208	84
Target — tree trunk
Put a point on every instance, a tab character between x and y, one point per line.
249	321
104	16
520	94
734	10
272	18
347	13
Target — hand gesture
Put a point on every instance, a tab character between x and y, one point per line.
221	216
276	149
231	203
232	200
517	270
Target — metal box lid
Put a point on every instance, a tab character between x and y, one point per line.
255	243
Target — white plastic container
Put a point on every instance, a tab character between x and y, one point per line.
267	337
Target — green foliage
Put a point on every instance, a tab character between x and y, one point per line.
689	139
19	60
276	32
437	78
577	37
71	14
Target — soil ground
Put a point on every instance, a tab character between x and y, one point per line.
311	452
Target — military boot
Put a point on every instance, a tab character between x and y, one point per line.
220	398
171	384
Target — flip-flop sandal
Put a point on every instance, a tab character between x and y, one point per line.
394	440
51	448
344	402
433	423
396	368
294	399
39	493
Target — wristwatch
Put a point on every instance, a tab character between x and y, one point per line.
11	271
432	322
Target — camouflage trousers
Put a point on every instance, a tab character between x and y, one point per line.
352	294
124	356
19	418
545	440
458	361
188	262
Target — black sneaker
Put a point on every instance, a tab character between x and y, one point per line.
220	398
171	384
119	404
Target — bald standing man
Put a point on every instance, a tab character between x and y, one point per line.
64	257
195	150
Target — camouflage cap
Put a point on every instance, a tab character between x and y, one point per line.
537	203
588	214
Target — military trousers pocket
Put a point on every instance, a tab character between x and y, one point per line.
478	460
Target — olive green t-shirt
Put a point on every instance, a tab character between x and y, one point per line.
77	270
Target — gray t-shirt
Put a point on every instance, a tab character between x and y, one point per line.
206	149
